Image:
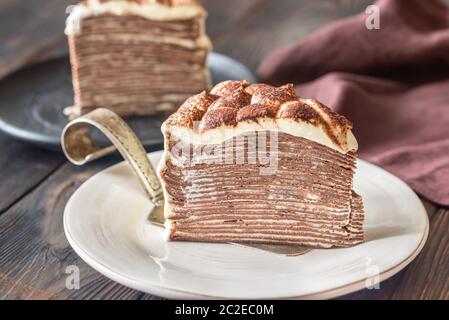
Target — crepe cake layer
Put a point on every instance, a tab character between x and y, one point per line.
137	57
258	164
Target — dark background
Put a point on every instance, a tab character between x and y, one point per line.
35	184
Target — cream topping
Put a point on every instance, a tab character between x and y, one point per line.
150	10
289	126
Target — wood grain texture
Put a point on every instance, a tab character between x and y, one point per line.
22	168
41	36
36	184
418	270
35	251
223	14
31	30
428	276
276	23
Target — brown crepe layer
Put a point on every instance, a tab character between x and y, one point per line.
306	198
235	203
134	65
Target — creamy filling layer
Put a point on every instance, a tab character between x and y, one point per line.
298	129
150	10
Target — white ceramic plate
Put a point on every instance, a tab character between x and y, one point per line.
105	223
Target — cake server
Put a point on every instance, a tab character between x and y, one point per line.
80	148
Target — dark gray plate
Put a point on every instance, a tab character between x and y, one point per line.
33	98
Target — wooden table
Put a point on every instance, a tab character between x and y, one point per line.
35	184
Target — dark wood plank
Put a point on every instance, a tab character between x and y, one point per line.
33	246
223	14
31	30
428	276
276	23
22	167
41	36
389	288
430	207
35	251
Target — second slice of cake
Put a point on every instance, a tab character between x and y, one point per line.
256	163
137	57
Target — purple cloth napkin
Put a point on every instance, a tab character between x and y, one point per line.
392	83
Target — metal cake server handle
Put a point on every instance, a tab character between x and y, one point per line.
80	148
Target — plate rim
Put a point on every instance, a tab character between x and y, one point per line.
173	293
51	142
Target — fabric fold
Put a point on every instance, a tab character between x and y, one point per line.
392	83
